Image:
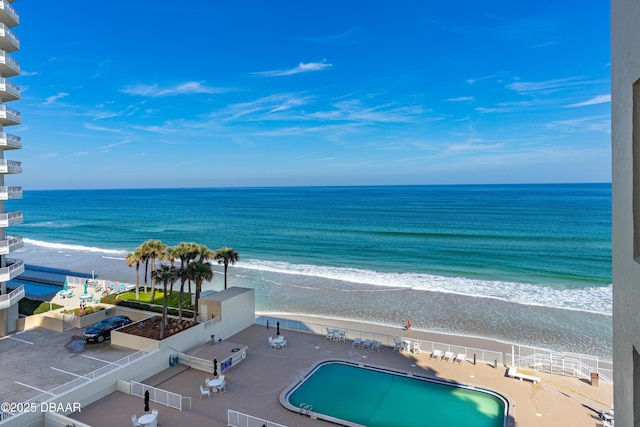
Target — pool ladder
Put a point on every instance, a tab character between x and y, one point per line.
305	408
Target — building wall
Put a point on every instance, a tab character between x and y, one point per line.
625	75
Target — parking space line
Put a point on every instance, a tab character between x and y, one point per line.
95	358
67	372
18	339
29	386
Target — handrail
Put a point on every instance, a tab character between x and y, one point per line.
10	10
240	419
7	300
156	394
567	365
10	35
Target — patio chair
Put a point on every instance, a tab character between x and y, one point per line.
447	356
366	344
342	335
397	344
155	412
134	421
222	388
283	344
460	358
204	391
376	345
416	347
356	342
272	345
437	354
206	382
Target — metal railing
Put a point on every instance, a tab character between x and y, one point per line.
10	10
10	140
560	363
239	419
483	355
9	87
163	397
8	34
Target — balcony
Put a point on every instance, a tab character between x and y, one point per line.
9	42
9	67
10	166
7	300
10	142
9	116
8	90
10	218
10	244
8	14
8	193
14	268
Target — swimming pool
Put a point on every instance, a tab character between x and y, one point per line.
34	288
350	394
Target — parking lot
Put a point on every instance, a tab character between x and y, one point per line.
38	360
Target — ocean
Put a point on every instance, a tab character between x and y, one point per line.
528	264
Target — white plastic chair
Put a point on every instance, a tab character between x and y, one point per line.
204	391
134	421
222	388
416	347
356	342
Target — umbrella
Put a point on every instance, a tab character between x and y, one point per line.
85	287
66	285
215	367
278	328
146	401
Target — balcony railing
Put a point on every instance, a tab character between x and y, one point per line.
9	141
13	65
9	116
10	166
10	12
15	267
10	218
12	42
12	90
7	300
7	193
10	244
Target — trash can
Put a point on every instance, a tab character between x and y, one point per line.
594	379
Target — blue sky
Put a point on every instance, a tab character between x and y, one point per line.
256	93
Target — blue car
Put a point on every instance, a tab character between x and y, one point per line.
102	330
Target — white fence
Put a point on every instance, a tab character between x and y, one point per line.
481	355
238	419
560	363
163	397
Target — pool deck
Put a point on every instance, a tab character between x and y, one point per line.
254	386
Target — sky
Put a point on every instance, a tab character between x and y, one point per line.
148	94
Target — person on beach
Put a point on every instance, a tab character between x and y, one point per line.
407	325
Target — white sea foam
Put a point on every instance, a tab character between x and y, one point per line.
73	248
589	299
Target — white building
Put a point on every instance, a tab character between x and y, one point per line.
9	67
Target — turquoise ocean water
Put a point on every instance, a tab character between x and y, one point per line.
528	264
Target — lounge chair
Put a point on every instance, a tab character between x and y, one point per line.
437	354
204	391
376	345
447	356
397	344
460	358
416	347
330	334
356	342
513	373
366	344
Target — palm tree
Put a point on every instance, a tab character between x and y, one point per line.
154	249
199	271
226	256
170	255
134	258
165	274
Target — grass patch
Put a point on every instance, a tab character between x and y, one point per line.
128	299
27	306
87	310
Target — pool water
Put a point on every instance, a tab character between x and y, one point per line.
377	398
34	288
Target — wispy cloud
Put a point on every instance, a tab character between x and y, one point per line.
115	144
54	98
102	128
29	73
301	68
582	124
549	86
476	80
346	38
461	99
600	99
49	155
155	91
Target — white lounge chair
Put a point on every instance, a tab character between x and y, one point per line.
376	345
366	344
416	347
513	373
460	358
204	391
356	342
447	356
437	354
